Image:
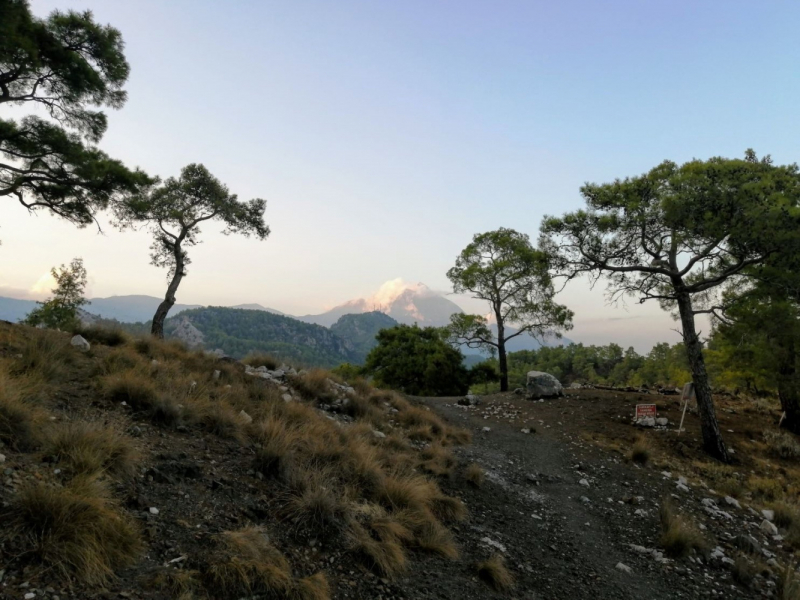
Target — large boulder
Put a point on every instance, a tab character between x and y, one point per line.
543	385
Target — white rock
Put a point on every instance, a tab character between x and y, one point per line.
526	430
2	458
153	510
623	567
29	596
667	474
768	527
246	419
769	515
378	434
640	512
646	422
682	480
662	421
682	487
80	343
732	501
216	375
490	542
486	429
584	483
708	503
287	398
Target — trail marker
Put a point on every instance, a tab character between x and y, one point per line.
644	411
686	395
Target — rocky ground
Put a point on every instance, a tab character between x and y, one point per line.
578	521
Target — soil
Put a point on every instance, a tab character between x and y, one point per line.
559	503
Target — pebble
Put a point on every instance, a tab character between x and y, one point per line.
153	510
768	527
2	458
623	567
584	483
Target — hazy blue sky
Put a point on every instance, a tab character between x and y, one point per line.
385	134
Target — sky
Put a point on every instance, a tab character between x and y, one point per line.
384	135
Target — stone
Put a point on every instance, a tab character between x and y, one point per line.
646	422
543	385
525	430
215	375
287	398
80	343
768	527
486	429
378	434
519	391
624	568
575	386
732	502
769	515
2	458
245	418
584	482
682	487
662	421
153	510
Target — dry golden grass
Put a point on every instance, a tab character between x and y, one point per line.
314	385
221	419
92	449
20	419
380	550
247	563
177	584
765	488
95	334
475	475
313	587
641	451
493	571
136	388
789	583
46	356
261	360
678	537
437	460
429	534
76	530
319	503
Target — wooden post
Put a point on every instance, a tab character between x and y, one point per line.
686	395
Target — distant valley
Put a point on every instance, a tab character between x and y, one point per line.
345	333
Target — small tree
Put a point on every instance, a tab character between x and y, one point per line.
66	64
676	235
174	210
61	311
504	269
417	361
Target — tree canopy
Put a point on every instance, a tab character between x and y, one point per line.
504	269
677	234
69	66
174	211
61	310
417	361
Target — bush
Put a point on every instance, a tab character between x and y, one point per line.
494	572
782	444
91	449
678	537
102	335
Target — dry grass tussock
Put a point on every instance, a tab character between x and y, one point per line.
475	475
493	571
641	451
45	356
76	529
247	563
91	449
20	418
95	334
261	360
678	537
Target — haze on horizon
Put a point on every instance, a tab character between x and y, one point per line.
384	135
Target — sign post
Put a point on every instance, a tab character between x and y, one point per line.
645	411
686	395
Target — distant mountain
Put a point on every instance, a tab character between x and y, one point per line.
405	303
126	309
12	309
360	330
238	332
131	309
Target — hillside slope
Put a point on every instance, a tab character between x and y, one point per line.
239	332
146	471
360	330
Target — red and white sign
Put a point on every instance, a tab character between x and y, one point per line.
645	410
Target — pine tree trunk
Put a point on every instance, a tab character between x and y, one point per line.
788	384
501	354
712	437
163	309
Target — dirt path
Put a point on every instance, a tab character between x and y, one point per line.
564	515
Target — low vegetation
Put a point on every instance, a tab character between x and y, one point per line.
679	537
353	467
493	571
